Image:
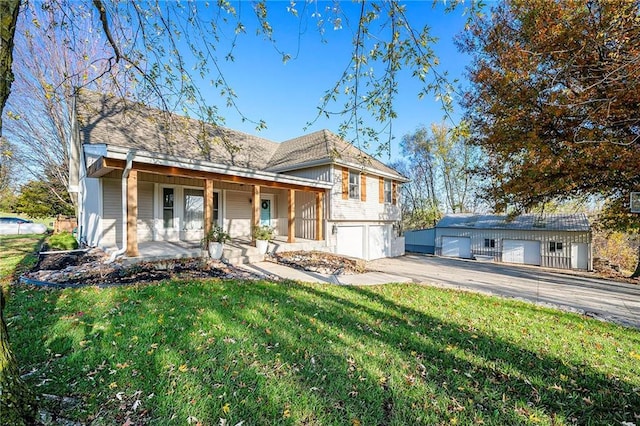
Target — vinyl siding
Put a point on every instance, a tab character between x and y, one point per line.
145	211
305	215
91	215
111	213
358	210
320	173
237	221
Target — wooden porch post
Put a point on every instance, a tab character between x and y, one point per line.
255	215
208	205
319	215
291	215
132	214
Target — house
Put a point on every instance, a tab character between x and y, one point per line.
142	175
550	240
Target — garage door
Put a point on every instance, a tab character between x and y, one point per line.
521	251
456	247
379	242
350	241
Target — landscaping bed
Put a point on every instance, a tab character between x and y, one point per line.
318	261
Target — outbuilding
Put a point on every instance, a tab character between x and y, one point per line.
551	240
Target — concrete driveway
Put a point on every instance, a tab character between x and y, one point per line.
608	300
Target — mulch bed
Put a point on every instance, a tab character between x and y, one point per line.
318	261
89	268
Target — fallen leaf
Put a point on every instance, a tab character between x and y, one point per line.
183	368
225	408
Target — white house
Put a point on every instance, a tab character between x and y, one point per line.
143	175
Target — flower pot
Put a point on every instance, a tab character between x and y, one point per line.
215	250
262	246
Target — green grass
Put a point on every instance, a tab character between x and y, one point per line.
289	353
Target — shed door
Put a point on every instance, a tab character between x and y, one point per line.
350	241
521	251
456	247
579	256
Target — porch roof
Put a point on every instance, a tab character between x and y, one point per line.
115	157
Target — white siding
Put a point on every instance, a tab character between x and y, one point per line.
145	211
237	220
358	210
111	213
320	173
90	221
305	215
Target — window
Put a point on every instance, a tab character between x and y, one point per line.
555	246
354	185
193	209
489	243
216	208
167	207
387	191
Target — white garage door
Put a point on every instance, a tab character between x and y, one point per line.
456	247
379	242
350	241
521	251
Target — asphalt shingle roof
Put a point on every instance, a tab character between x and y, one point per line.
115	121
111	120
531	222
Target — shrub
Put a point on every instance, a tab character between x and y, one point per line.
63	241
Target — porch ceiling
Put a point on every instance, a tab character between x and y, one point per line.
203	170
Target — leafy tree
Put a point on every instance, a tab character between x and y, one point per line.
38	201
554	102
438	162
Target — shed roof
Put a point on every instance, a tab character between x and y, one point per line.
526	222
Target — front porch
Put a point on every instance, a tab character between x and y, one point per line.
236	251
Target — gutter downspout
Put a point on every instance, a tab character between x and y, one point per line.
125	175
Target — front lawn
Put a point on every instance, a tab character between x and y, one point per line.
224	352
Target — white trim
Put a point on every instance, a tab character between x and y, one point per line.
634	202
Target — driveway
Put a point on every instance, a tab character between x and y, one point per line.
609	300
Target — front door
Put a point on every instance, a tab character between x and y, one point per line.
265	212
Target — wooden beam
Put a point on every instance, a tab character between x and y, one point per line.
132	214
291	216
255	212
319	215
208	205
113	164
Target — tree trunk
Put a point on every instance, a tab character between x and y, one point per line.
17	403
8	18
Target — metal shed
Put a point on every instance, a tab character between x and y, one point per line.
550	240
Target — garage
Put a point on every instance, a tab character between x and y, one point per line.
379	242
456	247
350	241
524	252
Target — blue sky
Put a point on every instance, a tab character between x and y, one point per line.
286	95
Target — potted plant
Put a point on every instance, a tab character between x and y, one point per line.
262	234
214	240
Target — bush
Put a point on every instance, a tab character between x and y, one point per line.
63	241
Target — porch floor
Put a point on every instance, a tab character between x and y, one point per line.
238	250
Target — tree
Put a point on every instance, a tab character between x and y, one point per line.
438	163
37	199
554	101
40	109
